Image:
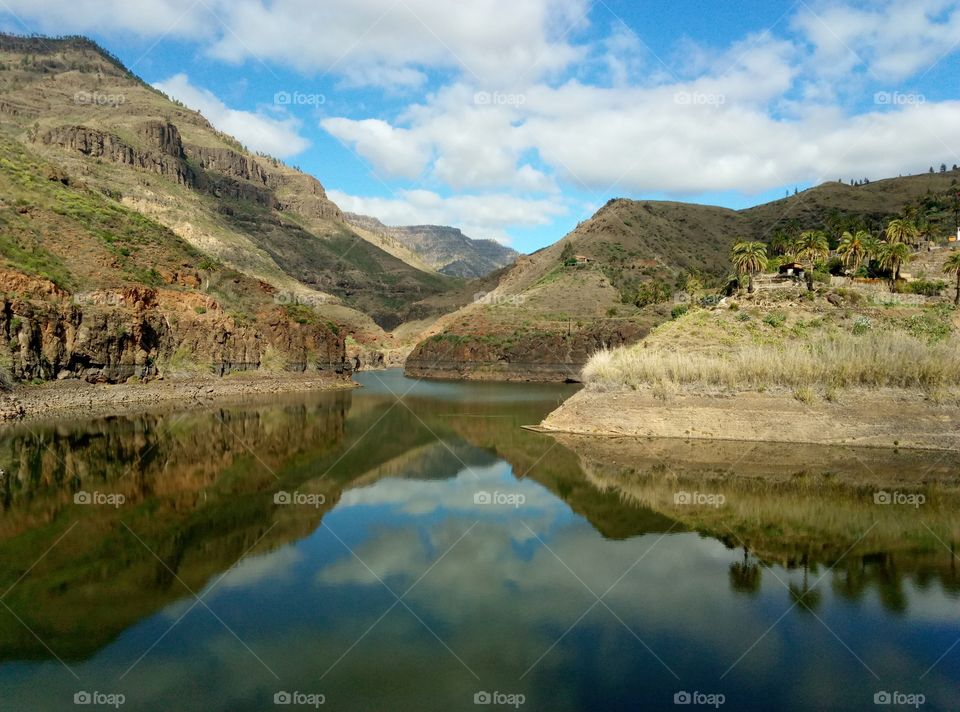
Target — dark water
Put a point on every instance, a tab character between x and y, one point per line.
387	582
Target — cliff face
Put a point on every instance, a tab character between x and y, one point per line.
141	332
543	357
167	159
221	171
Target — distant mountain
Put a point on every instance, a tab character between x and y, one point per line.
445	249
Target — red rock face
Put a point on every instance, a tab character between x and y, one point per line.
113	336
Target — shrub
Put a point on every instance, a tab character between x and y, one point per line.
775	319
678	311
927	288
862	325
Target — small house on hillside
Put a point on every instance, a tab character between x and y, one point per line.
791	269
582	259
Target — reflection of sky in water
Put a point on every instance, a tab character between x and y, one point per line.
500	599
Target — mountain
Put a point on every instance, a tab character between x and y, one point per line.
445	249
622	272
75	106
112	189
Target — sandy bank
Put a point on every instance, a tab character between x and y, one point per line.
74	397
885	418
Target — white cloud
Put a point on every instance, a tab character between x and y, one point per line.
893	40
396	152
277	137
479	216
146	18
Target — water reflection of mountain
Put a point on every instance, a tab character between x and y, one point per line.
823	512
199	494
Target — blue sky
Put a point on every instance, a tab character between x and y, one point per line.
517	119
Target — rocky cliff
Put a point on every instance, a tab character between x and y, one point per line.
139	332
532	357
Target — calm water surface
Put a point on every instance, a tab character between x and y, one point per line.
407	546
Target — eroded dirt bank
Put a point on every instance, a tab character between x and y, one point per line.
885	418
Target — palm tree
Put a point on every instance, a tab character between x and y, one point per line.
780	242
853	248
749	258
892	256
953	267
812	246
902	230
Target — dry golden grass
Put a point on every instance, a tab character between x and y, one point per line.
835	360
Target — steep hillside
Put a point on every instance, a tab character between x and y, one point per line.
94	290
445	249
623	271
81	111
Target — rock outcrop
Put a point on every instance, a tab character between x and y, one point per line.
164	157
535	357
141	333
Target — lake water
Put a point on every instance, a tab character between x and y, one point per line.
408	546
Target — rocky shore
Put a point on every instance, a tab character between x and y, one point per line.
76	397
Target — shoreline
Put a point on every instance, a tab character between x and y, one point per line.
54	400
887	418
